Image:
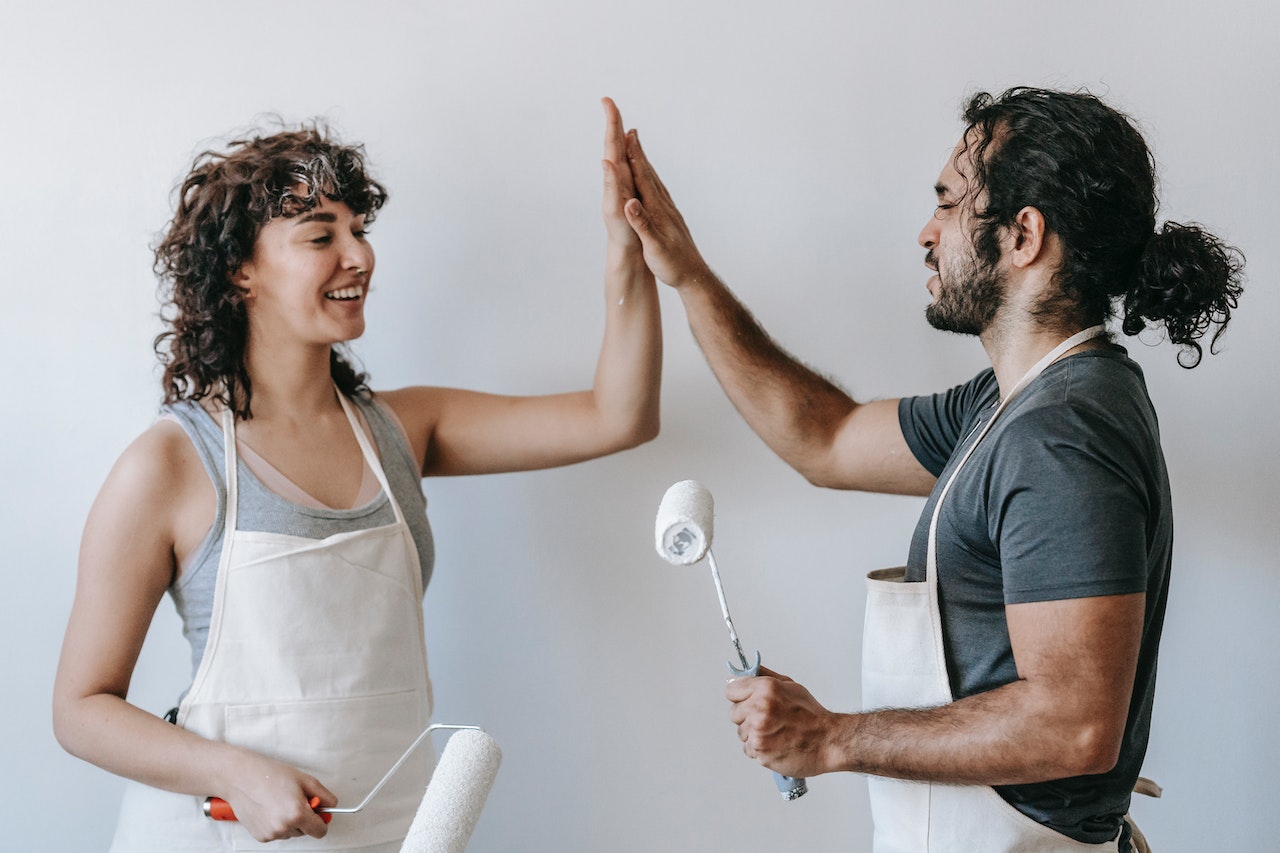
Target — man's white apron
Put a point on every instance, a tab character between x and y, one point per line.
904	666
315	657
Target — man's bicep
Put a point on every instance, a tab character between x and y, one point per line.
1081	656
1074	638
870	453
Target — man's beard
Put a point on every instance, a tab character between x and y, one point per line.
968	297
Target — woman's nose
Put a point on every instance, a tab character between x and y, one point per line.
357	255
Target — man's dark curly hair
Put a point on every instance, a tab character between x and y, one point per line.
1087	169
222	205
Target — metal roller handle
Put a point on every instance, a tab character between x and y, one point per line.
216	808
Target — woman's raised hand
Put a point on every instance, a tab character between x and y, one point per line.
619	187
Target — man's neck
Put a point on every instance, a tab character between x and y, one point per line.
1015	347
1021	334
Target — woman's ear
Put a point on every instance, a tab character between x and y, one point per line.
241	279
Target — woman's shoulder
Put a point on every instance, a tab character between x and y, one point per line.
159	463
412	411
156	490
421	407
412	399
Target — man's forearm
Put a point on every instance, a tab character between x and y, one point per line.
794	409
1003	737
814	426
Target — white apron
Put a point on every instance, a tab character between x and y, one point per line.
904	666
315	657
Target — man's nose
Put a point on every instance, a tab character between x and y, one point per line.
928	237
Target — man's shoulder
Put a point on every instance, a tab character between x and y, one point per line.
1095	409
959	403
1090	386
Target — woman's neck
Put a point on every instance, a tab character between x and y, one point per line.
294	382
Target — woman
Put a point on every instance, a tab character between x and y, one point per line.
279	503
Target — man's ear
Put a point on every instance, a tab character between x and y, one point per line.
1027	236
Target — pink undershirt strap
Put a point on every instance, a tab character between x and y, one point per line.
277	482
270	477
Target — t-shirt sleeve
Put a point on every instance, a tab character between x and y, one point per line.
1070	510
934	424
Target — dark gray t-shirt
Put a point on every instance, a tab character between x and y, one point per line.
1066	497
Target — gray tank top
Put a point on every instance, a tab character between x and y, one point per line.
262	510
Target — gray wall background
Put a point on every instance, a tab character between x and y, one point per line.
802	141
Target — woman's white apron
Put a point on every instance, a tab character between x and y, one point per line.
904	666
315	657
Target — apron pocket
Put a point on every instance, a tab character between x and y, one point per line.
898	660
347	744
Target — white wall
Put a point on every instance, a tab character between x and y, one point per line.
802	140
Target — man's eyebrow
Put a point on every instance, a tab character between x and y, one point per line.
316	216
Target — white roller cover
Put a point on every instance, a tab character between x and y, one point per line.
682	532
456	794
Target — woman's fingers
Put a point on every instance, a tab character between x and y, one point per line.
615	147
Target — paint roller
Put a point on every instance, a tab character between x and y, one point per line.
451	806
453	799
682	537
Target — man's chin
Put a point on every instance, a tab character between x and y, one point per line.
944	322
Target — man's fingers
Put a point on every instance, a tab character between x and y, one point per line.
647	180
637	217
766	671
739	689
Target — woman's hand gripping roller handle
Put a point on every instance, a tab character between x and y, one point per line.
453	799
682	536
217	808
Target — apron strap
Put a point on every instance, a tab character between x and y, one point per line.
931	564
229	460
370	457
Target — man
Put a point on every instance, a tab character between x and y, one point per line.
1009	675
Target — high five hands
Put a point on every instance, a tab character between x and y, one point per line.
651	215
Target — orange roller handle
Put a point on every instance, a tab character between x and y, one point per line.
216	808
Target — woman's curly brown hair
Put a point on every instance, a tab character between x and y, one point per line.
223	203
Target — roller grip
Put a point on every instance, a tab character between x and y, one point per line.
790	787
216	808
